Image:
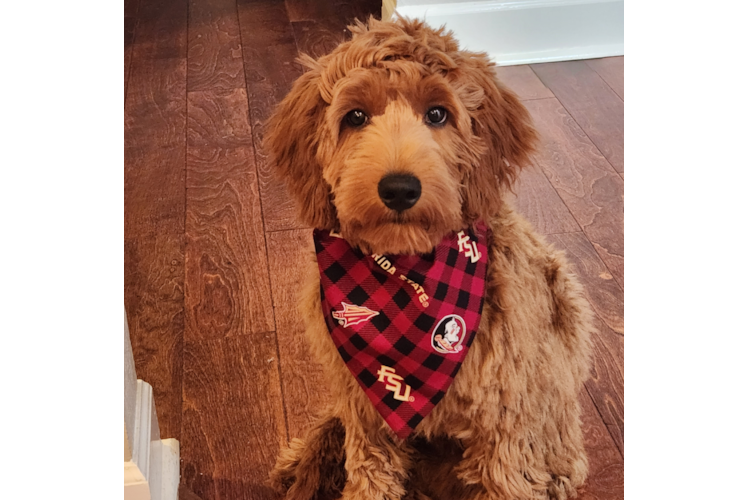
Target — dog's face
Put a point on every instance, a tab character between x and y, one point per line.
397	138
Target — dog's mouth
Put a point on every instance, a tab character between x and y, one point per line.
404	218
395	234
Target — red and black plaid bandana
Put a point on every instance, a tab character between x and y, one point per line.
403	324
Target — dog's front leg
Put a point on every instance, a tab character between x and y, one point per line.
502	471
312	468
377	462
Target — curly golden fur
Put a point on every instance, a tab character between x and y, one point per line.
509	426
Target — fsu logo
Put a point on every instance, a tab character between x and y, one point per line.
394	382
353	315
468	247
448	335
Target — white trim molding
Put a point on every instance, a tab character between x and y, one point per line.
151	463
527	31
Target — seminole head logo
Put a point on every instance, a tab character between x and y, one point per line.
353	315
448	335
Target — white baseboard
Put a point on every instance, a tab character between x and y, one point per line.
163	481
153	472
528	31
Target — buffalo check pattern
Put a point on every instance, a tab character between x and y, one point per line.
384	313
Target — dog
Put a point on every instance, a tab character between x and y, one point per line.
394	145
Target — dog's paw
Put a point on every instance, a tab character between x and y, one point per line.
283	475
561	488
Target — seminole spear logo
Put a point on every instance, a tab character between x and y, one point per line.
353	315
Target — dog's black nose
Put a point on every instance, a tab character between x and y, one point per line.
399	191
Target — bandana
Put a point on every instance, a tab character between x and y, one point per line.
403	324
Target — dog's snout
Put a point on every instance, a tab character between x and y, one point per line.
399	191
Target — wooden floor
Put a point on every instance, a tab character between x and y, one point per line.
211	242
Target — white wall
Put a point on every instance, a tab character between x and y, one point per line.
527	31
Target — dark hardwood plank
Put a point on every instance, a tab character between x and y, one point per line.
233	424
610	69
265	22
228	288
305	10
154	140
304	386
155	105
319	27
218	118
319	38
584	180
162	29
131	8
345	11
227	284
605	481
351	10
605	385
523	81
130	23
537	200
214	50
154	201
186	494
154	293
594	106
603	293
606	380
154	146
269	53
154	190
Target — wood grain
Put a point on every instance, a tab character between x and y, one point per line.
228	288
162	29
304	386
130	23
304	10
265	21
605	481
606	379
537	200
155	106
605	384
154	190
269	53
523	81
584	180
344	11
319	38
324	26
157	52
610	69
218	118
154	201
186	494
154	302
603	293
214	50
594	106
233	425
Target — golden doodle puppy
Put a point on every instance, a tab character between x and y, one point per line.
454	340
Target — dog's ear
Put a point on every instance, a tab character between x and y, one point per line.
505	129
292	139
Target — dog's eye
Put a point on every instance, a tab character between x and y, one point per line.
437	116
356	118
